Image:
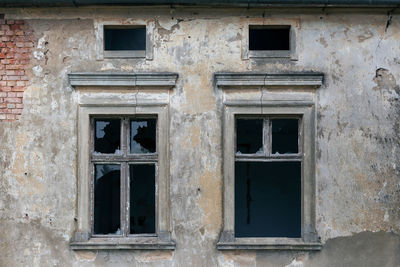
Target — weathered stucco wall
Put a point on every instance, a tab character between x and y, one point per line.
357	142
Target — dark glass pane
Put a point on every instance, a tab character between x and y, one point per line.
107	218
249	135
143	136
269	38
142	199
125	39
107	136
268	199
285	136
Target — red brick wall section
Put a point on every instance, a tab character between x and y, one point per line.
16	44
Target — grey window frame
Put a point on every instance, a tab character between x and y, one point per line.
290	54
269	103
95	104
139	54
125	159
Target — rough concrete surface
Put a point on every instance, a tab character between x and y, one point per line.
357	141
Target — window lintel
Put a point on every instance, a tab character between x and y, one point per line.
294	79
120	79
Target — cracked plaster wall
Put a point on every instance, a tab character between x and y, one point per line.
357	142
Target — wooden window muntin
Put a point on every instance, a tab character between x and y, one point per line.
124	160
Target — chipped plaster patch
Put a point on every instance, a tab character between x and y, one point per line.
238	258
152	256
85	255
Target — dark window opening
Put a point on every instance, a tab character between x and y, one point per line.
142	198
124	185
143	136
124	38
269	37
268	199
107	136
107	203
249	135
285	136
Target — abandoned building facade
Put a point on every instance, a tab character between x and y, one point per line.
209	133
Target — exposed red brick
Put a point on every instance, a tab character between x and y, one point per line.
16	44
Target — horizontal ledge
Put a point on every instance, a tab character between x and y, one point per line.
300	79
156	79
246	246
125	54
122	246
267	103
266	158
151	158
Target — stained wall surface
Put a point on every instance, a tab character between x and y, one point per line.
357	141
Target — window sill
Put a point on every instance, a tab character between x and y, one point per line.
255	243
284	54
124	243
125	54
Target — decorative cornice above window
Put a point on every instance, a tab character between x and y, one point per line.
301	79
153	79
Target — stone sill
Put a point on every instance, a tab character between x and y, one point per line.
123	244
268	244
125	54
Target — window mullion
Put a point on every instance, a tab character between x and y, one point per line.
267	137
123	199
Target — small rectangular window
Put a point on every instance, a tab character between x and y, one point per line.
124	38
269	38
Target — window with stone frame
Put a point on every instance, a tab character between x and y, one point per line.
269	161
123	195
124	163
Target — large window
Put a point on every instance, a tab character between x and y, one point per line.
124	161
269	162
123	187
268	177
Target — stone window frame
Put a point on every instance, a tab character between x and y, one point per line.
277	96
101	54
95	104
271	54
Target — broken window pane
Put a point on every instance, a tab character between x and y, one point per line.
107	136
269	37
143	136
249	135
285	136
268	199
142	198
107	199
124	38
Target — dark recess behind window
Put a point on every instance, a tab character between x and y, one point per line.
124	38
142	199
269	38
268	199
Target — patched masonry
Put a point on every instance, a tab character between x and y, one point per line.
17	41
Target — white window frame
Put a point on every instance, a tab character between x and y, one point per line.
96	103
271	95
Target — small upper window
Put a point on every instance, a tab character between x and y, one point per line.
126	41
270	41
122	38
269	37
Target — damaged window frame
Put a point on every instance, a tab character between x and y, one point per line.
124	159
290	54
273	95
266	155
84	239
109	54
